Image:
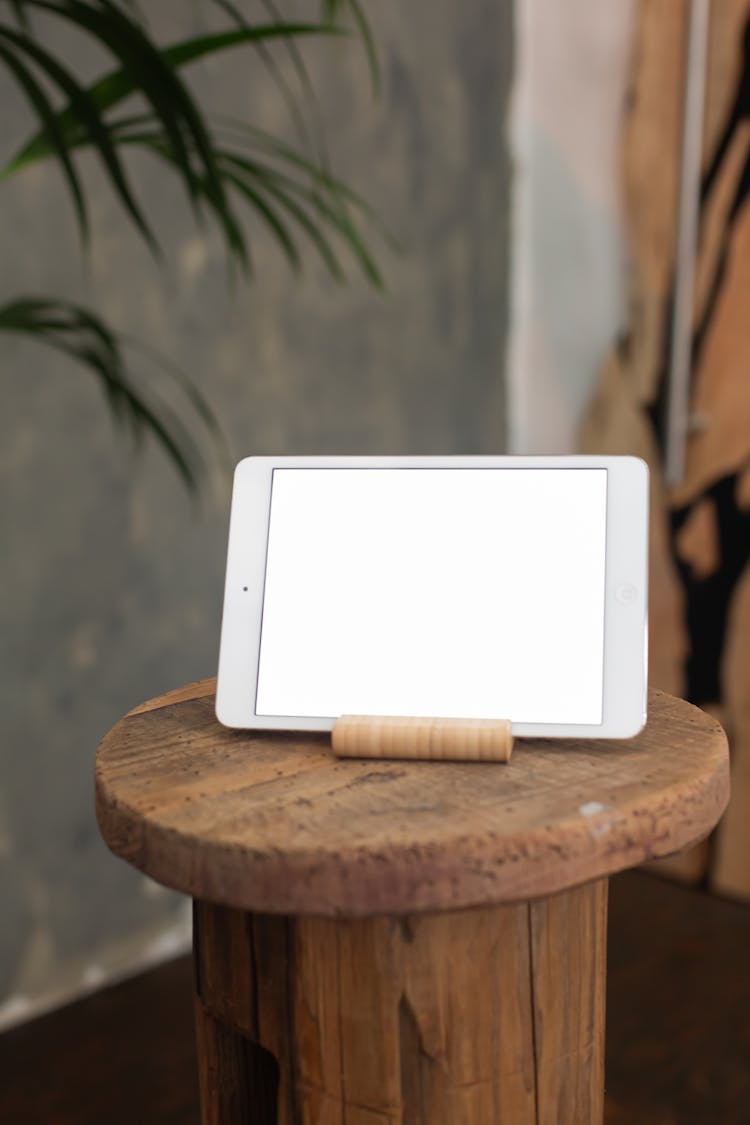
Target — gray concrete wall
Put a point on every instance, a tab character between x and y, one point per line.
111	584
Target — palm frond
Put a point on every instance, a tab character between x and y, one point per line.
283	192
316	201
326	208
56	139
115	87
87	115
84	336
261	140
224	168
335	11
144	69
283	86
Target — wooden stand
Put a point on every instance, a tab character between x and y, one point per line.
377	943
458	740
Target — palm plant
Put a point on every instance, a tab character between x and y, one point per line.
223	165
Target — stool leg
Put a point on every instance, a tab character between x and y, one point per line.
489	1016
244	1049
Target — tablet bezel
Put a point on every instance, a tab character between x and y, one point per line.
626	593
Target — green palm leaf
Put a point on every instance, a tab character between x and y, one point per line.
57	142
152	72
88	116
327	206
254	138
112	89
335	10
314	203
83	336
222	171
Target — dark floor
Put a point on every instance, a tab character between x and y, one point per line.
678	1029
678	1006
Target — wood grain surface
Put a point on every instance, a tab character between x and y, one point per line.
699	582
490	1016
274	823
445	740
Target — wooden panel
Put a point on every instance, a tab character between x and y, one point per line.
651	140
700	530
731	869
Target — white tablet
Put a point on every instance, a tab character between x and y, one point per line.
479	587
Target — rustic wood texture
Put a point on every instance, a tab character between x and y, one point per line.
721	392
569	973
276	824
242	969
464	740
227	1092
492	1016
617	420
391	1015
731	868
198	690
622	417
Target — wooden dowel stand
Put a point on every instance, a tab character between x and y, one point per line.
465	740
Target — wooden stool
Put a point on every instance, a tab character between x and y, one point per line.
399	943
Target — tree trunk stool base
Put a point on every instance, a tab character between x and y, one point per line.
400	942
469	1017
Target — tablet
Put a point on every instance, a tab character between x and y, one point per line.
463	587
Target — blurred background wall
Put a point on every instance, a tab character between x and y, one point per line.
569	277
492	157
111	583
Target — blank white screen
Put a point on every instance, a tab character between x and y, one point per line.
444	592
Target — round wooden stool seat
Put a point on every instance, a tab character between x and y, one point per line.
414	943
